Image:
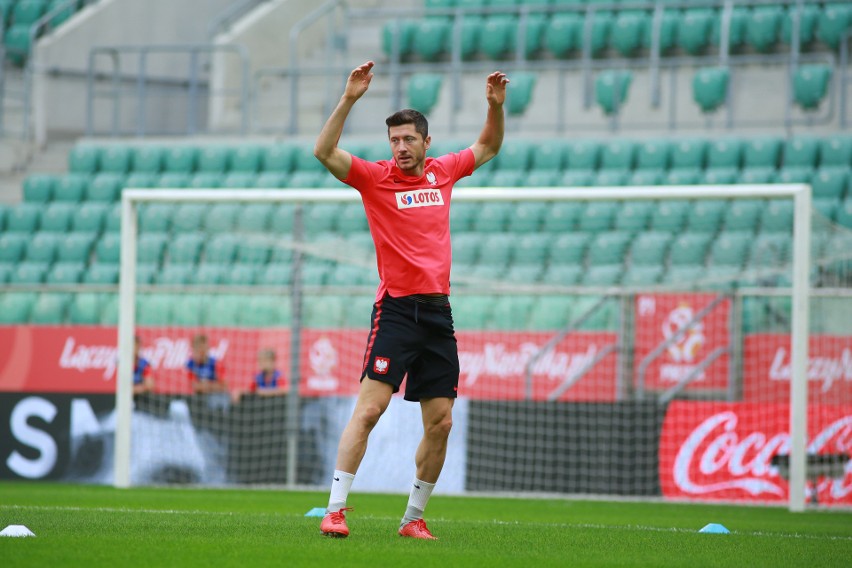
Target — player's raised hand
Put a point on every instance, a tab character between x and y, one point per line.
359	81
495	88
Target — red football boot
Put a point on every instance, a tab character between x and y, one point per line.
334	524
417	529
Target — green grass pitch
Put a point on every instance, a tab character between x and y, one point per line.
101	526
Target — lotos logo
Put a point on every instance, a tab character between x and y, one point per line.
419	198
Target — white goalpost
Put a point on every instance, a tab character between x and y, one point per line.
487	364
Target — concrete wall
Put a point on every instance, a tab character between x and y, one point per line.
60	98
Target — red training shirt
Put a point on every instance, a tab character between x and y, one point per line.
409	220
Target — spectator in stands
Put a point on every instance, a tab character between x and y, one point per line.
206	373
269	381
143	376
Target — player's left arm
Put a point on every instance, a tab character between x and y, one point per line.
491	137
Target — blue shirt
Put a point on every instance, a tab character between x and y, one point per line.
207	371
141	370
270	382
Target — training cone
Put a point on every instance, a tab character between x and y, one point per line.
715	528
16	530
316	512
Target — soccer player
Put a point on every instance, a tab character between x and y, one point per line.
407	202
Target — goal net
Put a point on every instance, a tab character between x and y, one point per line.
687	342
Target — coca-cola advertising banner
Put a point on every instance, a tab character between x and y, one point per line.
767	368
723	451
81	359
658	319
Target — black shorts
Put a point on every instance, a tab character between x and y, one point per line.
409	336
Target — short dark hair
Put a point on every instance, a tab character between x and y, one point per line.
409	116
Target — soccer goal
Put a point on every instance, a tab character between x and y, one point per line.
639	342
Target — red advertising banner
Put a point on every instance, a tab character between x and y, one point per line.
658	318
723	451
766	368
81	359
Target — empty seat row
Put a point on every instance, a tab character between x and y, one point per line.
18	17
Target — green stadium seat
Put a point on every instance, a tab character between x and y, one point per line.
15	307
17	40
41	247
266	311
155	217
562	216
38	188
710	88
76	247
609	248
777	216
794	174
667	32
247	159
634	215
209	274
826	207
175	275
737	30
628	31
836	150
141	179
147	159
762	152
683	277
50	308
582	155
278	158
185	248
510	312
174	180
206	180
190	310
801	151
653	154
770	250
515	155
461	216
276	275
154	309
602	25
611	88
213	159
433	39
492	217
85	308
150	248
71	187
255	250
688	154
642	276
108	248
650	248
105	187
102	274
271	180
254	217
720	176
548	155
598	216
618	154
830	182
550	312
577	178
602	275
705	215
611	178
496	249
302	179
221	217
561	275
282	218
694	30
26	12
724	153
398	34
763	27
645	178
757	175
545	178
352	218
84	159
423	91
466	247
109	309
523	273
527	217
29	273
531	249
189	217
115	159
682	177
348	275
497	37
731	248
811	85
321	217
833	23
239	180
65	273
563	34
180	159
56	217
808	16
743	215
689	249
242	274
472	312
12	247
570	248
325	312
24	218
214	310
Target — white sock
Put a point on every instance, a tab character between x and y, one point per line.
339	490
417	499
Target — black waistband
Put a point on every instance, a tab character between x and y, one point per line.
435	300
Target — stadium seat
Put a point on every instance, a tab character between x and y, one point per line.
271	180
267	311
472	312
496	249
398	34
582	155
85	308
242	274
810	85
611	88
38	188
670	215
189	217
563	34
346	275
115	159
239	180
688	154
175	275
155	217
105	187
6	269
609	248
523	273
689	249
710	88
154	309
191	310
41	247
705	215
326	312
618	154
352	218
550	312
316	273
84	159
720	176
321	217
221	217
101	273
653	154
147	159
466	247
650	248
423	91
826	207
836	150
602	275
65	273
770	250
724	153
633	216
76	247
562	216
645	178
683	277
569	248
519	93
801	151
561	275
548	155
12	247
730	248
794	174
56	217
694	30
255	250
737	29
577	178
642	276
15	307
246	159
108	248
150	248
492	217
180	159
253	217
206	180
281	219
278	158
830	182
777	216
682	177
743	215
497	36
757	175
209	274
432	38
185	248
808	15
628	31
598	216
527	217
510	312
29	273
23	218
531	249
71	187
214	159
174	180
611	178
141	179
763	27
302	179
833	22
50	308
667	33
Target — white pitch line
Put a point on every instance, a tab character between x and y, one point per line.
594	526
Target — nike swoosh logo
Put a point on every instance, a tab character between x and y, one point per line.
417	486
337	479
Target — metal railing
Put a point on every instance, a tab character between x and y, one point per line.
227	17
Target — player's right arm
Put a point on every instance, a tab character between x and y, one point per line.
337	160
